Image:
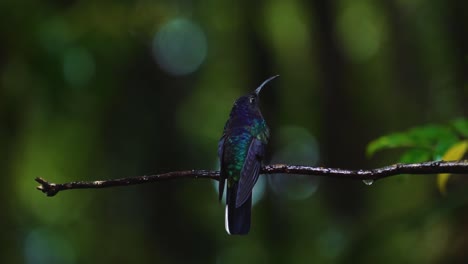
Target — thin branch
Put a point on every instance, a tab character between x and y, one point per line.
433	167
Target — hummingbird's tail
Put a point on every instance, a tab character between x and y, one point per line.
237	219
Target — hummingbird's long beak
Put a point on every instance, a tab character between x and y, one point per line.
257	91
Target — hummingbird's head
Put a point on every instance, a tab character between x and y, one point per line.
249	103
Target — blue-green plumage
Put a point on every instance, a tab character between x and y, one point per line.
241	151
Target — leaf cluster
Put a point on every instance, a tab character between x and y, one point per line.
448	142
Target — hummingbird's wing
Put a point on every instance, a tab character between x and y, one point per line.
222	178
250	171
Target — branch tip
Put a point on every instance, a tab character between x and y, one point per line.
48	188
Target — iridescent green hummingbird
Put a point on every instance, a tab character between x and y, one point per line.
241	150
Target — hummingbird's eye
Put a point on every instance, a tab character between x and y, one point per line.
252	100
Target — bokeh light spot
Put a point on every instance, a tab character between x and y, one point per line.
78	67
296	146
55	35
360	30
332	242
293	187
282	17
42	246
180	46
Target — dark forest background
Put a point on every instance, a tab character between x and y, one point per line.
107	89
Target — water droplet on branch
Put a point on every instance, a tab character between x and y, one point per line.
368	182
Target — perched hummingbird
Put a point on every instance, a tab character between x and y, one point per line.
241	150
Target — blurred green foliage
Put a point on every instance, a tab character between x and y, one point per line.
94	90
428	142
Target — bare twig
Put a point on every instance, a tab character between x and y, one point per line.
433	167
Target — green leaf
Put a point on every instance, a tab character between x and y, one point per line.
429	135
461	126
394	140
433	138
415	155
442	146
456	152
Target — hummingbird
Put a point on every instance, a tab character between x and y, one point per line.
241	150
